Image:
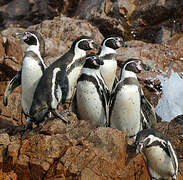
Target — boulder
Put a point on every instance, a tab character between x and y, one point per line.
55	150
79	150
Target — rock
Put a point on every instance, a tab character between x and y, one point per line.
144	20
13	110
76	150
106	15
60	33
2	51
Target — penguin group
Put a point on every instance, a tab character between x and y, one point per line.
101	98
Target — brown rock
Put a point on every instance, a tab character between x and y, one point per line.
137	169
13	110
13	51
2	51
60	33
78	150
106	15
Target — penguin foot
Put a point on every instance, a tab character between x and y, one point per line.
61	115
67	112
28	127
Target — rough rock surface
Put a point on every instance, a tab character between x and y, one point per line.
151	21
75	151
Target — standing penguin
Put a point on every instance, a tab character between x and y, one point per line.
158	153
125	102
92	94
59	80
108	54
32	69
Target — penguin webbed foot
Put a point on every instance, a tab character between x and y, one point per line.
28	127
67	112
61	115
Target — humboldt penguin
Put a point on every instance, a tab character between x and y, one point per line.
125	102
59	80
92	94
31	70
108	54
158	153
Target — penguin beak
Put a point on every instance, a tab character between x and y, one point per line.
19	35
95	45
139	147
99	61
145	67
124	44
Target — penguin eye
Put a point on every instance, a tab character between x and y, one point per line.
85	44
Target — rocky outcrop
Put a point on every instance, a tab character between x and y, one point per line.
78	151
151	21
75	151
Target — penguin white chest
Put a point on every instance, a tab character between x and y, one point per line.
89	104
159	163
108	71
125	114
31	73
73	77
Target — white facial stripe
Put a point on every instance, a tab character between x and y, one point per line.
38	44
82	40
107	40
125	73
154	138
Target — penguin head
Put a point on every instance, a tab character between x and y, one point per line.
148	136
31	37
114	42
142	140
135	65
83	43
93	61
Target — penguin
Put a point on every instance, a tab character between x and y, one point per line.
125	101
31	71
158	153
92	94
59	80
108	53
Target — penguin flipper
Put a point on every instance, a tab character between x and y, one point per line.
65	89
15	82
62	80
173	158
148	111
